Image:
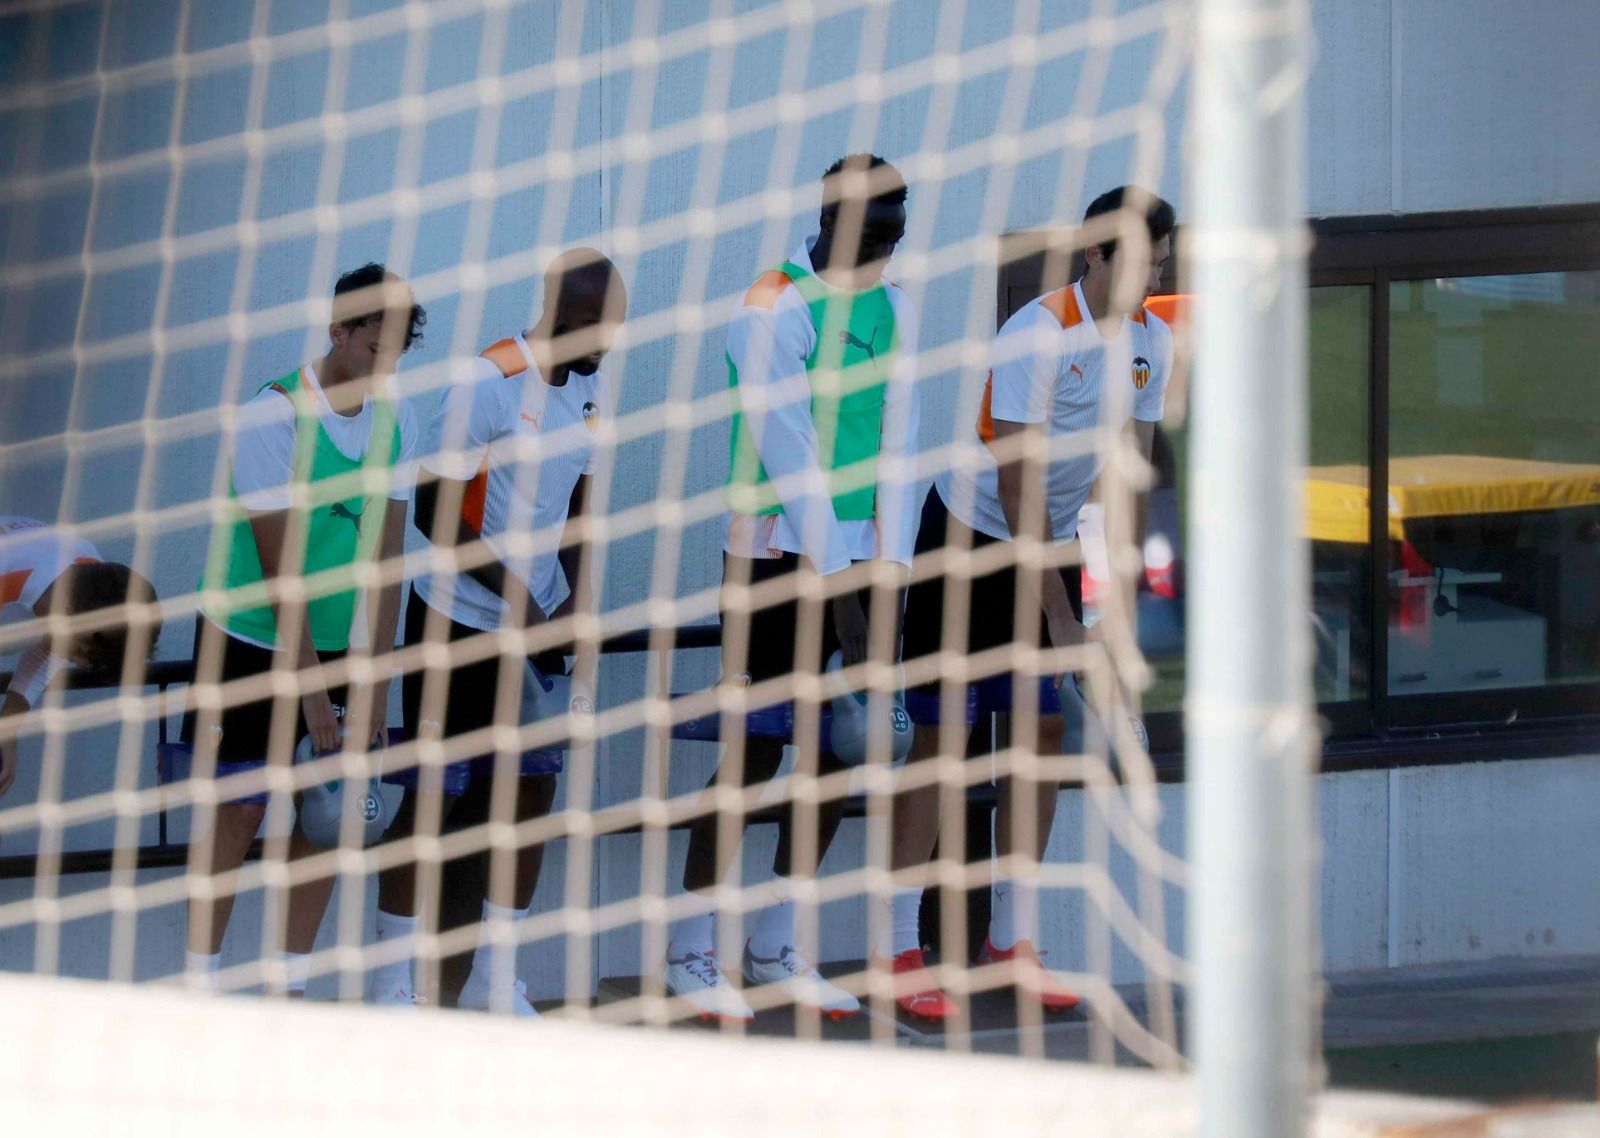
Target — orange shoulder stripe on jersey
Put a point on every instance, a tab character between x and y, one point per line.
473	500
768	287
1138	317
1063	305
1172	307
986	411
11	585
506	356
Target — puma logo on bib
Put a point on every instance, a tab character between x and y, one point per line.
340	510
849	339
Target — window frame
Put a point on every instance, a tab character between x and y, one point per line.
1384	730
1392	248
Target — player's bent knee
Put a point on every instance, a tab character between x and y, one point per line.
405	820
762	758
238	814
536	793
924	742
830	763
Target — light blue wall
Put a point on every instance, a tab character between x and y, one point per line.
504	223
181	183
1493	110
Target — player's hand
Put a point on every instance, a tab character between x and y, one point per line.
850	623
8	767
902	575
11	704
902	582
562	612
1066	631
586	666
378	718
321	722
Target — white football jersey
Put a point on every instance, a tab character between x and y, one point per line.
520	445
32	556
1053	366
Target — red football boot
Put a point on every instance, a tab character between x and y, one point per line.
1030	975
916	991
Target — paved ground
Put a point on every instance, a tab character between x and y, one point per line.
1495	1032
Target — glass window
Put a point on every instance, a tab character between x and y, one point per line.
1339	317
1339	354
1494	482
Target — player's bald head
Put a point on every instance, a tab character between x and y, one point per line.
583	278
584	302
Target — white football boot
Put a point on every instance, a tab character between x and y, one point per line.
477	997
698	979
395	994
802	983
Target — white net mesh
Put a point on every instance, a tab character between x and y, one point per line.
330	1071
184	183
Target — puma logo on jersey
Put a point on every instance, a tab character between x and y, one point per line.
1141	372
340	510
849	339
527	418
1075	370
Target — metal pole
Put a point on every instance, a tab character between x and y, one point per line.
1249	721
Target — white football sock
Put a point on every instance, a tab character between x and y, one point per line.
393	927
774	924
1015	913
200	970
296	970
491	964
774	930
695	933
900	931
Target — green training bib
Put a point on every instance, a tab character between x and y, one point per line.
338	508
848	373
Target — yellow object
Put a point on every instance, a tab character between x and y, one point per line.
1440	486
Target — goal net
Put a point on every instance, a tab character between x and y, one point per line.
677	796
337	1071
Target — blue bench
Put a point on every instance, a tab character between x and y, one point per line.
985	697
775	722
175	763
